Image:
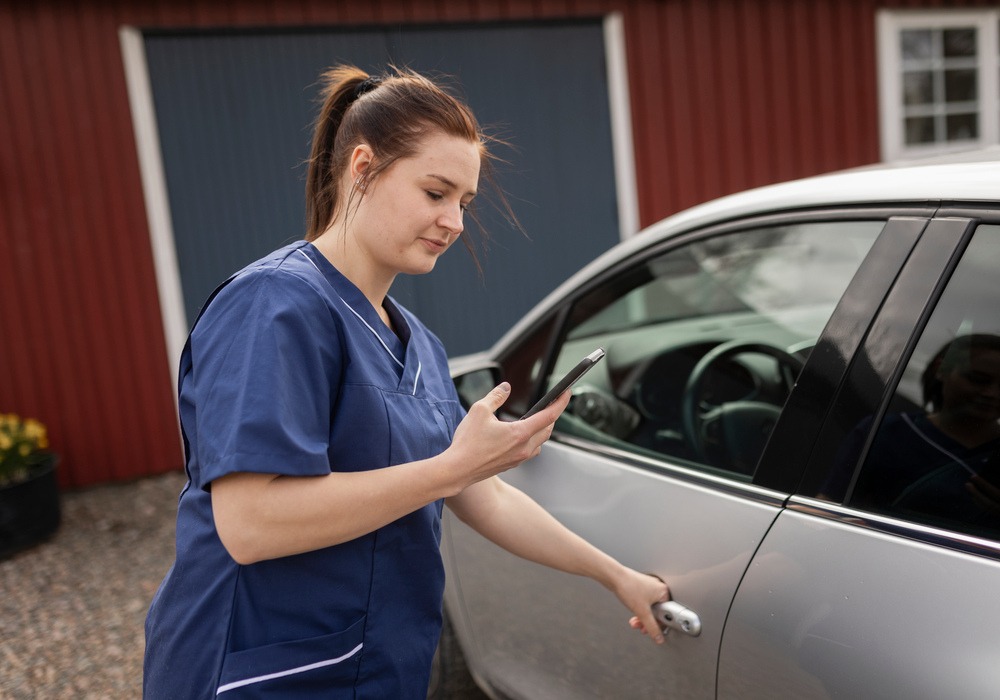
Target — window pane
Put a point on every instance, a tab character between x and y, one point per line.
959	42
940	85
962	127
919	130
918	88
522	367
916	44
960	86
935	458
658	322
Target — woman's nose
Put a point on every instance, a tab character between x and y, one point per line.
453	220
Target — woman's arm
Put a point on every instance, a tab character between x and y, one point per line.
265	516
508	517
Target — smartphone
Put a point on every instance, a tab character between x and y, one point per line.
582	367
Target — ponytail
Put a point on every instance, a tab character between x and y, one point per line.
340	89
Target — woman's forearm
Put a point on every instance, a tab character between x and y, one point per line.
265	516
512	520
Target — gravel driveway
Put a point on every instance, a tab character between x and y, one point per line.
72	608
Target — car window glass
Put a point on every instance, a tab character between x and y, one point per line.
522	366
704	342
935	458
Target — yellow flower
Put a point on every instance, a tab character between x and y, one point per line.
20	445
33	430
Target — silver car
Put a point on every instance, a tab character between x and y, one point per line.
795	425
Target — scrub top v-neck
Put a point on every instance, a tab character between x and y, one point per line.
290	370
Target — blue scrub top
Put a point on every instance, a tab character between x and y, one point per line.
289	370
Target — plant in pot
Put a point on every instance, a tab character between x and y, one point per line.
29	493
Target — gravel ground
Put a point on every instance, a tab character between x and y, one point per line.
72	608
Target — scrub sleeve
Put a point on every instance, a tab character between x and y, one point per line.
289	370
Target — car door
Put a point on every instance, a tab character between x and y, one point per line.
666	481
880	579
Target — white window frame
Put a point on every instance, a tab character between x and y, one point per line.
889	26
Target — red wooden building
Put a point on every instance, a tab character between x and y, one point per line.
722	95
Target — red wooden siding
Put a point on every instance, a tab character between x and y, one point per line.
730	95
726	94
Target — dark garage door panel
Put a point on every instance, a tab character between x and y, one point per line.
234	112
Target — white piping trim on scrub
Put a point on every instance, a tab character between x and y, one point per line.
417	378
360	318
301	669
926	438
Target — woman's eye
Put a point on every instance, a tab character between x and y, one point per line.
436	196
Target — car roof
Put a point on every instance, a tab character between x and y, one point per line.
968	177
978	181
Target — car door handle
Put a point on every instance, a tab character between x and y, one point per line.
674	616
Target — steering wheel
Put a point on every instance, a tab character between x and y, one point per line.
736	430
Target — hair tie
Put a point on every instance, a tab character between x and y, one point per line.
366	85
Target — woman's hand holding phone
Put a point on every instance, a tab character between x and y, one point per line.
581	368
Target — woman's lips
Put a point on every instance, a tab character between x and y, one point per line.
433	245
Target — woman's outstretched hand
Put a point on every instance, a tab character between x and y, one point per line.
484	446
639	592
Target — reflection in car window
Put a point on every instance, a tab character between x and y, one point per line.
764	271
704	342
935	458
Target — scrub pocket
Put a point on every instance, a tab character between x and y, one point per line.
315	667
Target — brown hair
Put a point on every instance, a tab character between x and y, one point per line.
391	114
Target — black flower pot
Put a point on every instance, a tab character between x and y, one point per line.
29	510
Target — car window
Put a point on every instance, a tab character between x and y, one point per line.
935	457
704	342
523	364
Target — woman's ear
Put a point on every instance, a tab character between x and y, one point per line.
361	160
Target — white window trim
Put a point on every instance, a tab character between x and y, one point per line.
889	24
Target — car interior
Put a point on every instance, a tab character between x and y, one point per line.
704	341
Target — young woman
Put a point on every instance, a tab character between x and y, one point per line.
323	433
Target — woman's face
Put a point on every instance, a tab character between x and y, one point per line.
413	211
973	389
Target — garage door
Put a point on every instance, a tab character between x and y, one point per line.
234	112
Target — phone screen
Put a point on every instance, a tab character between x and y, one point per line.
582	367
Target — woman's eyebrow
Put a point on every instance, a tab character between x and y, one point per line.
449	183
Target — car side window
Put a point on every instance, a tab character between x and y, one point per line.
522	366
704	341
935	457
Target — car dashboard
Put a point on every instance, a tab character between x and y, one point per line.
639	396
